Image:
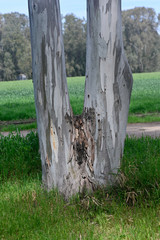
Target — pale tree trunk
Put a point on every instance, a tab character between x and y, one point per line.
108	85
80	152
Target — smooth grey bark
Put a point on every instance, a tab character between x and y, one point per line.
50	90
80	152
108	85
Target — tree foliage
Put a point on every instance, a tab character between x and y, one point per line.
15	49
75	45
140	32
141	39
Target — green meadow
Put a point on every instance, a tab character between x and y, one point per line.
17	100
145	99
131	210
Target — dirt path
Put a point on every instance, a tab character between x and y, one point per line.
145	129
133	129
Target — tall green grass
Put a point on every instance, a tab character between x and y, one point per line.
19	157
141	167
131	210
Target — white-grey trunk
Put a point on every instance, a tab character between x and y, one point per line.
108	85
79	152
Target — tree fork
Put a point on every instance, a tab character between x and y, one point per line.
80	152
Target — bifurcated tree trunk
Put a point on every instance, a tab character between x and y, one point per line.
80	152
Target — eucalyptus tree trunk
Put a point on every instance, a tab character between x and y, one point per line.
108	85
80	152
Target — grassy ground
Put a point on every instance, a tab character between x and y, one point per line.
129	211
145	100
18	127
17	101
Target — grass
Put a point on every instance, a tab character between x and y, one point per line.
17	101
18	127
129	211
141	167
76	93
144	118
19	156
146	93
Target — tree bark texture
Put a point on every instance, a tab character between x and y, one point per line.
108	85
80	152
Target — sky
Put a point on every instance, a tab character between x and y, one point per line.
78	7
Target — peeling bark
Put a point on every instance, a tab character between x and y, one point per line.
109	84
80	152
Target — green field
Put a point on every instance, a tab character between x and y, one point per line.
145	100
129	211
17	101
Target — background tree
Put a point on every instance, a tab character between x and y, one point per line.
75	45
141	43
15	46
141	39
8	67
